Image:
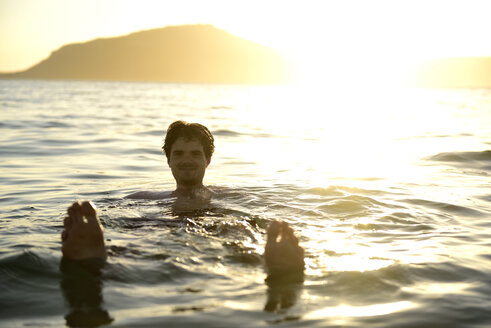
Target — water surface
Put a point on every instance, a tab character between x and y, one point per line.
388	190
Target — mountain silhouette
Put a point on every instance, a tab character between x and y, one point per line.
186	53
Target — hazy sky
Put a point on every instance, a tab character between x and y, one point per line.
311	30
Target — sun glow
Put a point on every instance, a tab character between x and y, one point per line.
339	41
362	311
344	132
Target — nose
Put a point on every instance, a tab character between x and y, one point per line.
187	157
187	160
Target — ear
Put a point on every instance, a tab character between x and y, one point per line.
208	160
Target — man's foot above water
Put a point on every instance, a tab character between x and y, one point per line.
282	253
83	237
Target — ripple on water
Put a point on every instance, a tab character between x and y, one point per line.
351	205
462	157
446	207
475	162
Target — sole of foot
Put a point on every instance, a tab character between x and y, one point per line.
83	236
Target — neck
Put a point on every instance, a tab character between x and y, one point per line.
190	190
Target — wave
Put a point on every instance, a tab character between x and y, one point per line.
226	133
474	160
430	136
446	207
29	281
220	107
344	190
462	157
155	133
27	263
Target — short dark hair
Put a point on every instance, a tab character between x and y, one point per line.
189	131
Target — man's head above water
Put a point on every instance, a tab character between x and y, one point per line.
189	131
188	147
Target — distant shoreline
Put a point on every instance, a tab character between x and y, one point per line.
227	84
135	81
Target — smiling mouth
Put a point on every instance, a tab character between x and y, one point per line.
187	168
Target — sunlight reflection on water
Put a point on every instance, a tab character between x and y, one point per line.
360	311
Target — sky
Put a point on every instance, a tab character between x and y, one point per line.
309	31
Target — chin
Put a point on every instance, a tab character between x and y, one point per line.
189	182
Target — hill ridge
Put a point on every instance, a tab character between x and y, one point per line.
178	53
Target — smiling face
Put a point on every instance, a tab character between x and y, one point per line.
188	162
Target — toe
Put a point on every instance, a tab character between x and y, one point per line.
88	210
286	231
67	222
290	236
273	230
64	235
75	213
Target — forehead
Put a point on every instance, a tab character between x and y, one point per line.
186	144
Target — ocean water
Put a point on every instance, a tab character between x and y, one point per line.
388	189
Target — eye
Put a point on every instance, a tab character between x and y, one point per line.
177	153
196	153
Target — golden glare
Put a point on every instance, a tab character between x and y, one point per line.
439	288
354	133
361	311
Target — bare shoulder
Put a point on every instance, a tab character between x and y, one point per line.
150	195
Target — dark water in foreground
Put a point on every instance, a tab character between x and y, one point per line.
390	197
